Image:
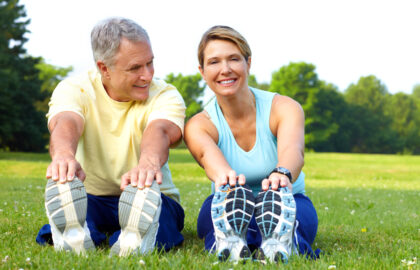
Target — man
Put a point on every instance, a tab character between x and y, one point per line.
112	129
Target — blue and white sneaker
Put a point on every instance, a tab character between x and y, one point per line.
66	206
275	213
231	211
138	213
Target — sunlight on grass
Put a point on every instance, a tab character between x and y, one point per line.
368	210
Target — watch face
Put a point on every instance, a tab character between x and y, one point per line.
283	170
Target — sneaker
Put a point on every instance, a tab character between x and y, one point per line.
275	213
138	213
231	212
66	206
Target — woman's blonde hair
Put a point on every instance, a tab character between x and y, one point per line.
221	32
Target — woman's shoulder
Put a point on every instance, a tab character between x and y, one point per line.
281	102
201	122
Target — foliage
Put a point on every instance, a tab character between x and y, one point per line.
319	100
50	76
191	89
22	125
372	132
252	81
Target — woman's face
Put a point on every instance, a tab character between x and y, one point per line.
224	68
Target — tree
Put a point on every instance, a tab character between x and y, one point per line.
318	99
50	76
405	116
191	90
21	125
371	132
252	81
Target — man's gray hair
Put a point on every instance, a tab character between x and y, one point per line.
107	34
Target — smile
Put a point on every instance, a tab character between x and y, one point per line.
227	81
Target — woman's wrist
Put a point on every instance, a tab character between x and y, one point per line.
284	171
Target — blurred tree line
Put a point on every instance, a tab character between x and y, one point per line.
363	118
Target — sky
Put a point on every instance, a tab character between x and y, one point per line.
343	39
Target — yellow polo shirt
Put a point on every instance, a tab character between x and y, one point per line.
110	143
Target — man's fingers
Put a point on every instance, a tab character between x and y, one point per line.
80	174
159	177
150	176
62	173
142	175
134	177
49	173
71	170
54	171
125	181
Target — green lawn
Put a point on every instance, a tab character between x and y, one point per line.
368	208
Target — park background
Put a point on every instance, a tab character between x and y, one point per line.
367	197
353	42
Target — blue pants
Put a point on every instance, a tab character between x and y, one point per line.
305	231
102	220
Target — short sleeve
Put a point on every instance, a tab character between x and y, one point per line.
169	105
66	97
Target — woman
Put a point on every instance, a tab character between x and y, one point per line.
250	143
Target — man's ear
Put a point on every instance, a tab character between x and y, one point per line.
103	69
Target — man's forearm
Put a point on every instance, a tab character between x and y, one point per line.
157	139
155	148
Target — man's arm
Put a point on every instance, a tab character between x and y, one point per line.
158	136
66	129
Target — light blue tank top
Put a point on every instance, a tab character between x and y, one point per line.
262	158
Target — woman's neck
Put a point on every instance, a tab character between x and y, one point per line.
238	106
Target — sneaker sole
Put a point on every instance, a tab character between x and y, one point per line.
137	210
231	212
66	206
275	213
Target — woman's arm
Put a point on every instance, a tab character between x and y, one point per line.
201	138
287	122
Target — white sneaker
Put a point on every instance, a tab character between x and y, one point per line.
66	206
275	213
231	212
138	212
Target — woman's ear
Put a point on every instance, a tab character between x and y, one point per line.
201	72
249	63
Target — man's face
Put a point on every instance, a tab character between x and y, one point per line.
130	76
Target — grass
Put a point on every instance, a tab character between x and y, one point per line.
368	209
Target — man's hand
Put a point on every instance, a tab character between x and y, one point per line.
65	168
276	180
158	136
66	129
143	175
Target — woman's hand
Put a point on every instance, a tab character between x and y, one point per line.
276	180
230	178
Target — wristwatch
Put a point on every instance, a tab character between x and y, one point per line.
283	171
